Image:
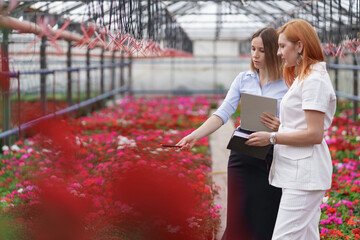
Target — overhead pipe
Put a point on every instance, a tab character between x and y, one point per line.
29	27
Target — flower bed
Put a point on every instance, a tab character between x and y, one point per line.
107	177
340	217
83	166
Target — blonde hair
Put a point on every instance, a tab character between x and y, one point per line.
269	37
300	30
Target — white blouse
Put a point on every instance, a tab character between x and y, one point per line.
305	167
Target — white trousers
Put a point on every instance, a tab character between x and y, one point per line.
299	215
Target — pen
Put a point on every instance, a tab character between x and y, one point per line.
170	145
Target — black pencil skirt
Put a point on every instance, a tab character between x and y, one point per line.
252	202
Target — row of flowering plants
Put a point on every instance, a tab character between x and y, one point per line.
106	176
340	210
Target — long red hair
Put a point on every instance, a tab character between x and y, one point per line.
300	30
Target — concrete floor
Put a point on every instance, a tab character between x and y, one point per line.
219	156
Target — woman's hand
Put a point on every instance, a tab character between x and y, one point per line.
187	142
259	139
209	126
270	121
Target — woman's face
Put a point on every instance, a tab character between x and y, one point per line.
287	51
258	53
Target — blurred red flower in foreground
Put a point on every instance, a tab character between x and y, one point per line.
57	215
58	137
161	200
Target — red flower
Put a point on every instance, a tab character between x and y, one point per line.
336	233
331	211
9	180
351	221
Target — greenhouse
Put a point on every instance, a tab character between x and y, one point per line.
180	120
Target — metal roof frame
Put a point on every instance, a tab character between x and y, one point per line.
223	16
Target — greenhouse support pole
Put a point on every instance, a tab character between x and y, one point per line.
172	74
336	77
69	81
102	71
88	78
43	75
215	85
355	87
130	74
102	75
122	80
112	85
6	94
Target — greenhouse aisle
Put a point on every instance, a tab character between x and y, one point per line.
219	156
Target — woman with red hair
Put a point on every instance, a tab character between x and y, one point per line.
302	164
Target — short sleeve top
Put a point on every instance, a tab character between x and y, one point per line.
305	167
313	93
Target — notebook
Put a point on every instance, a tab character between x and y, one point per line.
252	107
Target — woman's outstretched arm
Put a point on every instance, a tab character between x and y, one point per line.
209	126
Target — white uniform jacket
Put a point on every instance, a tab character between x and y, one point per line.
305	167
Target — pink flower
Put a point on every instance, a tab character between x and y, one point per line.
110	150
331	220
324	230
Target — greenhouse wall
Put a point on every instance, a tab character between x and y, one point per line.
214	66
